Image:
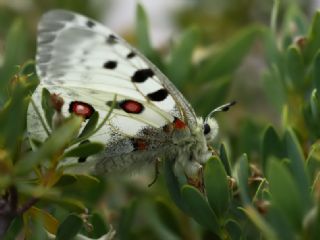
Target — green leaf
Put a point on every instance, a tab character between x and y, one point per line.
271	146
199	209
312	223
214	93
173	185
46	104
285	193
37	229
234	229
311	112
316	71
313	163
279	223
225	159
126	221
28	69
142	33
14	228
313	43
66	179
167	217
315	105
260	223
99	225
297	167
295	67
274	87
15	53
49	222
90	126
52	147
217	188
71	204
85	150
69	228
12	116
180	65
229	58
242	176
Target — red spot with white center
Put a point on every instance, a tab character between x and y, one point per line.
179	124
81	109
131	106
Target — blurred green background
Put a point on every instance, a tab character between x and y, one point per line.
214	52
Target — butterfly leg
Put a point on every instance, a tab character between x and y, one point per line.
156	168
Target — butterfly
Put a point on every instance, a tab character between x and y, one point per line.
89	66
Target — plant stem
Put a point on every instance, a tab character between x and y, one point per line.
8	207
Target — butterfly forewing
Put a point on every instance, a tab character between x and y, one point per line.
86	63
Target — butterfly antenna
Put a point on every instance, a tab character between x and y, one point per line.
222	108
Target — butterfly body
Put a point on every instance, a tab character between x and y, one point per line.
89	66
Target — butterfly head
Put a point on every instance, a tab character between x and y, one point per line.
210	129
210	125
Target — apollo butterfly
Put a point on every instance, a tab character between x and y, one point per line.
87	64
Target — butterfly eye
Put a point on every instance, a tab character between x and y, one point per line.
206	128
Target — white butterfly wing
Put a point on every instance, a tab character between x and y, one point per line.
82	60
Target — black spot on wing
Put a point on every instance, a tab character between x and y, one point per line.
110	64
158	95
131	55
111	39
90	24
142	75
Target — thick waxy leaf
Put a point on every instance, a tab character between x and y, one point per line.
199	209
261	223
12	115
180	65
52	147
100	227
313	43
46	104
271	145
275	87
316	71
225	159
313	164
69	228
90	126
285	193
174	186
242	175
49	222
15	53
126	220
167	217
85	150
65	179
216	182
279	223
14	229
142	31
295	67
297	167
231	55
